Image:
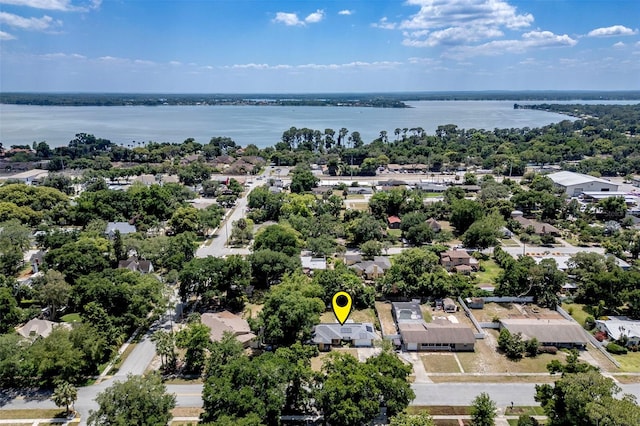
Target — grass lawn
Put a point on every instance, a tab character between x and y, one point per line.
510	242
577	311
357	315
74	317
426	312
181	381
186	411
629	362
355	197
36	413
440	363
396	233
490	273
440	410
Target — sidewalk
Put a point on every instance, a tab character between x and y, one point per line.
36	422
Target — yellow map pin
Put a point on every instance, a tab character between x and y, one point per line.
341	304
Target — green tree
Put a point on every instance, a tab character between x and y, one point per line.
302	179
64	395
370	249
349	394
268	266
165	348
511	344
140	400
483	410
484	232
404	419
195	339
55	292
464	213
185	219
9	310
278	238
290	310
392	381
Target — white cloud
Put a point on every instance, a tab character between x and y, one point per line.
457	22
62	5
384	24
530	40
4	36
616	30
315	17
348	65
175	63
346	12
289	19
143	62
292	19
34	24
619	45
63	56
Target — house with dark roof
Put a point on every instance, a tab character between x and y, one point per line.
136	265
328	335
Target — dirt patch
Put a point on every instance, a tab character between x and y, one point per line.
186	412
492	311
470	378
387	323
318	361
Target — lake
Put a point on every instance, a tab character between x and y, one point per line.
260	125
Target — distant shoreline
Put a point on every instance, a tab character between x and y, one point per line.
370	100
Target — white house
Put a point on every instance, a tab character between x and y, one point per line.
616	327
575	184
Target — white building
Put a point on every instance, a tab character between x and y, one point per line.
575	184
617	327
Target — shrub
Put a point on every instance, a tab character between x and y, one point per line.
616	349
589	323
548	350
600	336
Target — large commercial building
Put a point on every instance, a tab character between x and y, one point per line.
575	184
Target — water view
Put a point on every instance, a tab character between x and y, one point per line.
260	125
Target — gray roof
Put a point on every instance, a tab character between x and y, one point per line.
433	333
547	330
123	227
566	178
309	262
326	333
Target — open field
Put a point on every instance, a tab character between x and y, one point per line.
356	315
486	359
73	317
386	319
440	363
490	273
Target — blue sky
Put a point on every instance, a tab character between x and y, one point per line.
264	46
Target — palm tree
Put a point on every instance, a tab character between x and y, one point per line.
65	394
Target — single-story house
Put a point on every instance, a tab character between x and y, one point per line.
539	228
220	322
406	311
136	265
436	336
328	335
360	190
575	184
617	327
451	259
124	228
394	222
372	269
310	264
560	333
474	302
39	328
